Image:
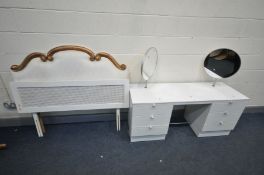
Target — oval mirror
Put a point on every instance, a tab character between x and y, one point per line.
149	63
222	63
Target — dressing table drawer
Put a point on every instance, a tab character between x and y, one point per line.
221	121
152	119
145	110
151	114
149	130
228	106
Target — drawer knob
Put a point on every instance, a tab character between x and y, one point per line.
150	127
225	113
153	105
221	123
152	117
230	102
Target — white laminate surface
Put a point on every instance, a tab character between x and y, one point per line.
183	93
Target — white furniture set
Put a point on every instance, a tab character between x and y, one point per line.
210	111
69	81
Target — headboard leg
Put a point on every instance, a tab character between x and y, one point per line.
38	124
118	125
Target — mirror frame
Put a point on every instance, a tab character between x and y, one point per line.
215	75
143	62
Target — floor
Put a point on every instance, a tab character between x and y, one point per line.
96	148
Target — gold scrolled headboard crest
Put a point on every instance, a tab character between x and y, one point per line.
70	47
111	58
49	56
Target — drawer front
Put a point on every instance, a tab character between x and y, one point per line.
144	115
151	119
149	130
221	121
228	106
147	109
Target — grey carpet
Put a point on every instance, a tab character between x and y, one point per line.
96	148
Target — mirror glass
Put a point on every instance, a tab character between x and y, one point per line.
222	63
149	63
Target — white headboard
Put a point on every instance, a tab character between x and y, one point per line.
69	80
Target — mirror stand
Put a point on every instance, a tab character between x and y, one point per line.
214	82
149	64
146	84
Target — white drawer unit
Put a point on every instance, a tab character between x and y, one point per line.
223	116
149	120
151	114
210	111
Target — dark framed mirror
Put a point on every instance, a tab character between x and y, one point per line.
222	63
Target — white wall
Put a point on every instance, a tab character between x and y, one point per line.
184	31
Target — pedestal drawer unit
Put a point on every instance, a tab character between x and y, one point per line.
209	110
223	115
149	121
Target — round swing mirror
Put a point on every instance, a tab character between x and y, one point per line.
149	64
222	63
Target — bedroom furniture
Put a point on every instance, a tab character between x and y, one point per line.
65	80
210	111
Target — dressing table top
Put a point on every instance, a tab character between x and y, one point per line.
183	93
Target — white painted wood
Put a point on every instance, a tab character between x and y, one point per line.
37	124
211	111
149	130
228	107
70	82
196	115
183	93
223	116
60	107
210	133
147	138
147	114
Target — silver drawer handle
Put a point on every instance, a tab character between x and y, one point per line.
221	123
153	105
225	113
150	127
230	102
152	117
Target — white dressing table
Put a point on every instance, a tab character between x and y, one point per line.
211	111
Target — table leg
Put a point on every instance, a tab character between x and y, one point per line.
118	126
37	124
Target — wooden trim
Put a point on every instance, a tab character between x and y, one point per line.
49	56
70	47
111	58
26	60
